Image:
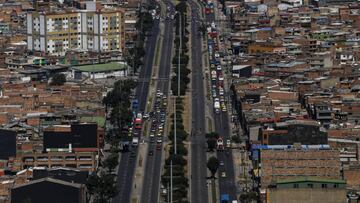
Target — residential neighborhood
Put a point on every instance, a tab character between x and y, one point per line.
201	101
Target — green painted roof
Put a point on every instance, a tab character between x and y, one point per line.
96	119
113	66
310	179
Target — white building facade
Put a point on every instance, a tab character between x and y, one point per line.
55	33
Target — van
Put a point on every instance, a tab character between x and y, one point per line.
135	141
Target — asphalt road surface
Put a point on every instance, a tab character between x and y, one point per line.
226	185
152	176
199	192
127	164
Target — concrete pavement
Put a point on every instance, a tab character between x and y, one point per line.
152	173
198	171
226	185
126	169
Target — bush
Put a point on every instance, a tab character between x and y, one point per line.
177	160
181	149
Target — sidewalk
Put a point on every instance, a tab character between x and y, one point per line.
139	173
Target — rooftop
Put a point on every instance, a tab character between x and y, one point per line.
310	179
113	66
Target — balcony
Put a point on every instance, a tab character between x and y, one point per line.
28	159
70	158
85	158
56	158
42	159
85	166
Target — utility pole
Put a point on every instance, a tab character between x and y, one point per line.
168	193
171	182
179	54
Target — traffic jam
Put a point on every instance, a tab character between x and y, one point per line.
156	118
216	70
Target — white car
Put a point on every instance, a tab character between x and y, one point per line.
213	76
159	93
218	68
139	115
146	116
228	143
221	91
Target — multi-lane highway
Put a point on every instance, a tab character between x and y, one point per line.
152	176
127	163
198	169
226	184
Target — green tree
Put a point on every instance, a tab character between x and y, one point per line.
202	29
181	7
58	79
102	187
212	135
118	100
213	165
177	160
248	197
236	138
120	116
211	144
111	162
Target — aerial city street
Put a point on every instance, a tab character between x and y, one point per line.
188	101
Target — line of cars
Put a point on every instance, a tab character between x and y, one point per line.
216	70
209	7
158	117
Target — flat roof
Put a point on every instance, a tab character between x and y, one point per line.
105	67
96	119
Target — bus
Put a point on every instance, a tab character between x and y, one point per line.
225	198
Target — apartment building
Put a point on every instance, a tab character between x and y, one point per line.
93	30
83	161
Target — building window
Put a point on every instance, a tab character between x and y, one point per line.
310	185
296	185
324	185
336	185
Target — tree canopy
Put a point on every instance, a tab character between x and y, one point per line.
213	165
